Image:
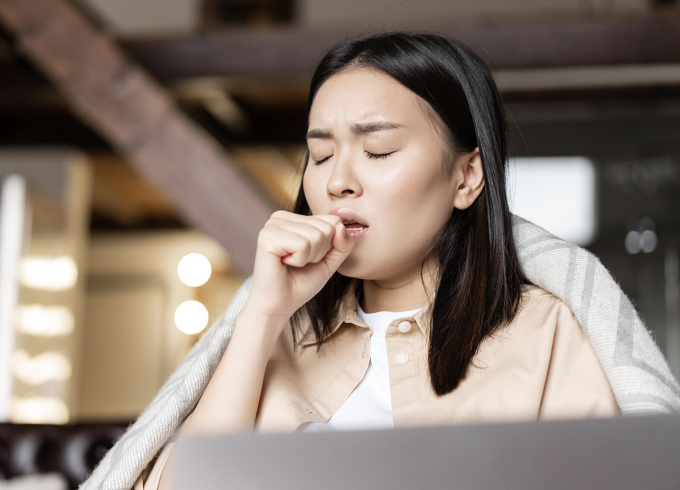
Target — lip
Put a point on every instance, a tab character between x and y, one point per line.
347	214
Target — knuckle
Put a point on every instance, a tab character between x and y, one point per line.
319	235
276	224
324	227
329	229
306	244
279	213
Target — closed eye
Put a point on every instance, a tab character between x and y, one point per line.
319	162
378	155
370	155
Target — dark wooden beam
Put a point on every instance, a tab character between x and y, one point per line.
139	119
536	42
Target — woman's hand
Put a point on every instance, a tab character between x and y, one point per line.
296	256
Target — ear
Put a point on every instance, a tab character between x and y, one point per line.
470	179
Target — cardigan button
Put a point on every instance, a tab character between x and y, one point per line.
404	326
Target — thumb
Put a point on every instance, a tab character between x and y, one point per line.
343	244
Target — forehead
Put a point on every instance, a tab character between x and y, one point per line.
360	94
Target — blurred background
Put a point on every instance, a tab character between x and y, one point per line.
143	144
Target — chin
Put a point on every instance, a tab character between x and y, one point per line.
349	268
345	269
353	269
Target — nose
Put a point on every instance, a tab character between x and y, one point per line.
343	181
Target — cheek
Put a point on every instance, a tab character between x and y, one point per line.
305	185
311	189
402	188
412	200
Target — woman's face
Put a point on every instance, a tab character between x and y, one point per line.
402	197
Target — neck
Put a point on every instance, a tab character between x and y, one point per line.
399	294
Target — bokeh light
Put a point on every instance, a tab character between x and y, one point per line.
194	269
191	317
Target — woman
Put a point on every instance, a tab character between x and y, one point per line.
397	272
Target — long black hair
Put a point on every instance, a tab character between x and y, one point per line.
479	275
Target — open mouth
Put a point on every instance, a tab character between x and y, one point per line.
355	229
353	225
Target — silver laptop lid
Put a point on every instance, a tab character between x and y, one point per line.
622	453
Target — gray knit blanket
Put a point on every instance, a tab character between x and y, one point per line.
637	370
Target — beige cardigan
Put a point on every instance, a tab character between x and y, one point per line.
540	366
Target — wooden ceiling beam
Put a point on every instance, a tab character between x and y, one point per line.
534	42
138	118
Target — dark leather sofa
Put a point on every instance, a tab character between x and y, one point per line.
71	450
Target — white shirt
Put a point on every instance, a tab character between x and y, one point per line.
369	406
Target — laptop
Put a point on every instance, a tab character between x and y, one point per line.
641	452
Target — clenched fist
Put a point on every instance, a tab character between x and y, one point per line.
296	256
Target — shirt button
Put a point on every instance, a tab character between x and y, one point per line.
402	357
404	326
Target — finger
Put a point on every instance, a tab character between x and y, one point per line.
323	225
318	219
342	241
320	239
288	245
343	244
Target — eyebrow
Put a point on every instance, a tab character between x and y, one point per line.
358	128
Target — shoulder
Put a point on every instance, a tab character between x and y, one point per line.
542	309
540	318
535	295
576	384
547	317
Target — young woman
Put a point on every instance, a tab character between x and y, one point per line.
392	295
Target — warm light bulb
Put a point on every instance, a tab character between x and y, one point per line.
39	410
194	269
44	321
50	273
44	367
191	317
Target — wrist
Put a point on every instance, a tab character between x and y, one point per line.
265	326
262	309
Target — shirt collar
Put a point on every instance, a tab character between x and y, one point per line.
347	314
